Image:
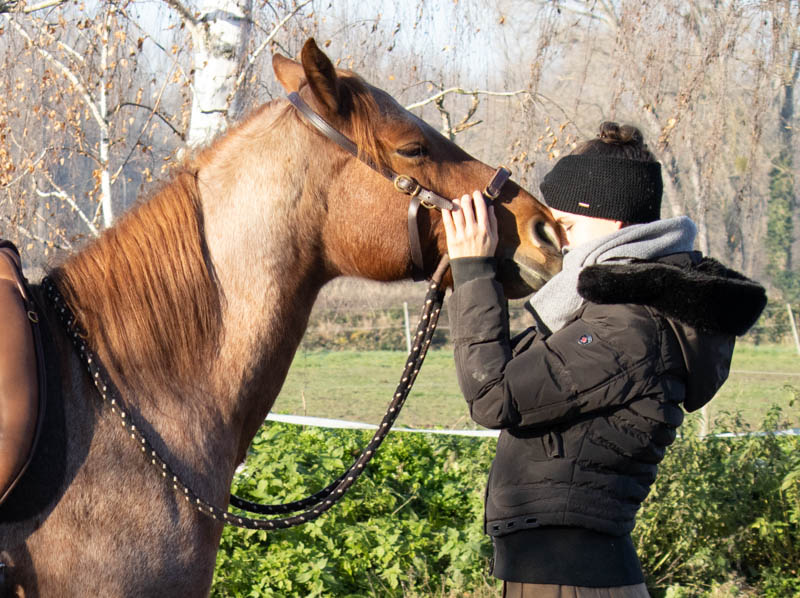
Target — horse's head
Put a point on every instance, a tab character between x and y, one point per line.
365	232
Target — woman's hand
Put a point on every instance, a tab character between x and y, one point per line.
471	227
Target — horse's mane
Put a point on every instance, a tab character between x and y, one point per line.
150	280
145	290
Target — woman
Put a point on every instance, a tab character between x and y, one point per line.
636	328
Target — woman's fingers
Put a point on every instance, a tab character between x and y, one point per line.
458	217
447	221
453	221
470	228
492	222
481	217
468	214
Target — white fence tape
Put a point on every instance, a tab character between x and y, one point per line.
322	422
789	432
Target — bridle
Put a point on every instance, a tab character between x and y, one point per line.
318	503
420	196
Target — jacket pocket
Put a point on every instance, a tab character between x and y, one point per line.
554	444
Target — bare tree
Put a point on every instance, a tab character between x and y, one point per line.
699	79
75	70
94	104
220	33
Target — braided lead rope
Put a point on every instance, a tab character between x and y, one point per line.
322	501
422	340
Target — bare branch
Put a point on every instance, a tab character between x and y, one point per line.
153	41
447	125
55	229
43	5
266	42
183	11
25	232
470	113
611	15
153	112
438	98
25	172
465	92
71	52
606	14
466	125
64	196
97	213
11	6
69	74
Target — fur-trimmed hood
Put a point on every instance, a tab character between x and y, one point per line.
693	290
705	303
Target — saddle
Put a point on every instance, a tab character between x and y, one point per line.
22	391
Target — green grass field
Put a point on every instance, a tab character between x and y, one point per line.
357	385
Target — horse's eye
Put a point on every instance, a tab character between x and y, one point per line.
413	150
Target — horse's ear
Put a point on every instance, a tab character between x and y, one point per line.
321	75
289	73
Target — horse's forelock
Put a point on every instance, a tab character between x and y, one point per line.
365	116
145	291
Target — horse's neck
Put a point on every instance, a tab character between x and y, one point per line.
262	221
251	254
265	318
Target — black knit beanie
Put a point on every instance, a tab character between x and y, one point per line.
605	187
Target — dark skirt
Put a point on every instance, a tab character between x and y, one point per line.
512	589
568	556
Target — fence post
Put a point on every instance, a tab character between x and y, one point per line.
408	327
704	421
794	328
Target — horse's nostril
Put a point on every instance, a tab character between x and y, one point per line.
544	234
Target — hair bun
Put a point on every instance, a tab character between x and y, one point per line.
613	140
611	132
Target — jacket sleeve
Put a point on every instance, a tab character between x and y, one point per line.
579	370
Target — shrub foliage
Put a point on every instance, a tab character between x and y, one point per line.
723	518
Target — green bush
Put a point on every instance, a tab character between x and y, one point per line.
723	518
773	326
411	523
725	511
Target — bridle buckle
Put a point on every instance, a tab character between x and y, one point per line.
495	186
406	184
426	204
488	193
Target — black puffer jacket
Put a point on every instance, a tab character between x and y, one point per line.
588	412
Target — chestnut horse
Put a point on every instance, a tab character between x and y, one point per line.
196	301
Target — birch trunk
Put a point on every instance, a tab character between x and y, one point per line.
701	216
220	36
105	161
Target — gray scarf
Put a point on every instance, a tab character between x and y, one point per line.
556	302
